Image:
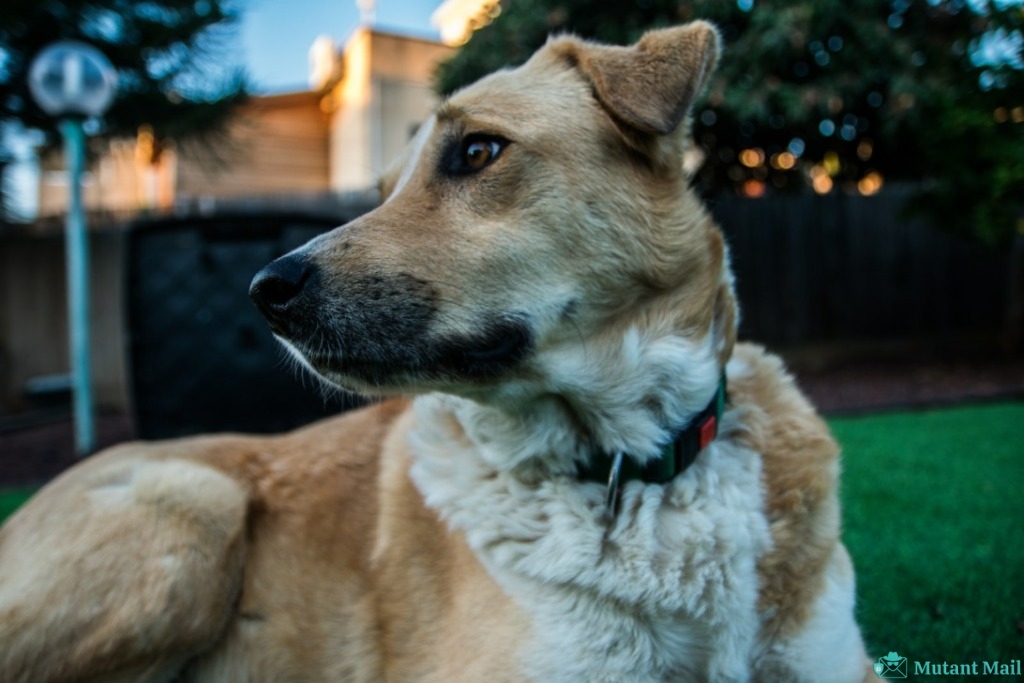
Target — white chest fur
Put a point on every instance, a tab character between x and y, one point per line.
666	591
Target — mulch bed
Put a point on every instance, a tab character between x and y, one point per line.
33	452
874	388
37	452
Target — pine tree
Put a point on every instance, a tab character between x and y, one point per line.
167	54
839	94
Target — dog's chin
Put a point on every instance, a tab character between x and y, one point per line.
454	364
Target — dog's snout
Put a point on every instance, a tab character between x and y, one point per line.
275	288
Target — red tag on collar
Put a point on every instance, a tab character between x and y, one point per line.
708	430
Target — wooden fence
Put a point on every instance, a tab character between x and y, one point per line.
818	269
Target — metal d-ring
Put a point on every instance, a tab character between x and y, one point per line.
611	501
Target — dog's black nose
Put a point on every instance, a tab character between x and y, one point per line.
277	287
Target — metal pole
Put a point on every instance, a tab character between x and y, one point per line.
77	257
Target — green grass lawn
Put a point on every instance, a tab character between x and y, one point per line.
12	500
934	514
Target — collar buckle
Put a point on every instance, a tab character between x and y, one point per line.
675	458
611	500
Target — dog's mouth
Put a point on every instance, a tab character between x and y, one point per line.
373	364
501	344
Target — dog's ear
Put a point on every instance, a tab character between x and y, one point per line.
649	86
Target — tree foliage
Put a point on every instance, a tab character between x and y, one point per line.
839	94
166	53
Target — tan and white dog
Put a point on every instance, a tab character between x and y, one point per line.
543	281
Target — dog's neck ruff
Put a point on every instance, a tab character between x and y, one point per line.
614	598
676	456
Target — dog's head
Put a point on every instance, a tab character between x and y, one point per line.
541	209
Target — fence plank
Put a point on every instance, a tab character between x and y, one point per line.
816	269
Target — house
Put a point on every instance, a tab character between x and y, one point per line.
364	104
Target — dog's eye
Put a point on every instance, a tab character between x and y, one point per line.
479	153
476	153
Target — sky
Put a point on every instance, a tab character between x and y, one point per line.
276	35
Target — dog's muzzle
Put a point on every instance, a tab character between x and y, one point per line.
278	290
374	328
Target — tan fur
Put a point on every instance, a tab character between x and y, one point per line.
314	556
800	462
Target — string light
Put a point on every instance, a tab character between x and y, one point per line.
831	163
752	158
753	188
870	184
820	180
865	148
822	184
783	161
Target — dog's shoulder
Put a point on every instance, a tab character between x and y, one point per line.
800	476
798	452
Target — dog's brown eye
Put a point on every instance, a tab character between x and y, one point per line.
479	153
474	153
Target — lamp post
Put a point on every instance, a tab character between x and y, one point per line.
75	81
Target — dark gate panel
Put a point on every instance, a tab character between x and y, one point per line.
202	358
840	267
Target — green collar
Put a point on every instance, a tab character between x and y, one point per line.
676	456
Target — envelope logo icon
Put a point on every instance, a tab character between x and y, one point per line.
891	666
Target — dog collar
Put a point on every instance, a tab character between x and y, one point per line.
676	456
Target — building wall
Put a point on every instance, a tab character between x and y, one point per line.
384	95
276	145
404	106
351	139
33	316
115	182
